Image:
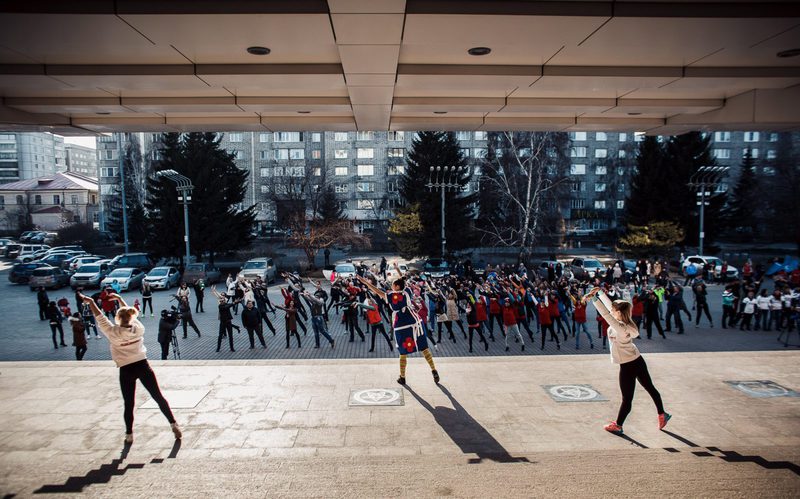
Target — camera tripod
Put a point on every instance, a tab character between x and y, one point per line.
176	350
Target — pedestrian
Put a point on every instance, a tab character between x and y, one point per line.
651	315
748	310
632	367
701	302
728	309
43	300
510	324
126	339
375	323
762	311
291	321
78	335
317	308
225	318
579	316
676	305
185	309
147	297
55	318
408	331
251	320
108	305
474	322
199	294
775	310
384	265
166	327
546	321
327	254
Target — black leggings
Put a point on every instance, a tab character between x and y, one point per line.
702	307
128	375
629	372
57	327
449	326
378	328
553	334
147	300
477	329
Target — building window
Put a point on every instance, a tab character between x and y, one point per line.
767	170
464	151
366	170
577	187
577	152
340	154
365	187
577	204
365	152
263	137
74	199
722	136
340	188
621	204
297	171
108	172
317	172
751	136
264	189
601	153
577	135
601	170
622	153
396	170
20	199
395	136
771	154
297	154
620	187
37	199
237	154
366	204
480	152
340	136
281	154
340	171
577	170
264	172
773	137
316	137
722	153
599	205
365	135
396	152
316	154
94	199
601	136
235	137
600	187
391	186
287	136
463	135
481	135
638	136
623	137
109	154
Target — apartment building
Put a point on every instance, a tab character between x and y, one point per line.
80	159
25	156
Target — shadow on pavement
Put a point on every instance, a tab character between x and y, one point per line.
103	474
470	436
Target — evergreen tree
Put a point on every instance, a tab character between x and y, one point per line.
438	149
744	202
165	215
647	201
137	218
784	191
217	219
328	207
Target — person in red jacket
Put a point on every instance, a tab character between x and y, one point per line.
108	305
510	322
495	314
637	312
579	315
555	315
374	321
602	329
482	315
474	323
546	322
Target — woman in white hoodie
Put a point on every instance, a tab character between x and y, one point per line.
621	332
126	338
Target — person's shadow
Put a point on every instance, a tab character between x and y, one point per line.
470	436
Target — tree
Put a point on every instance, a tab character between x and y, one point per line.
653	239
523	180
314	235
648	200
783	186
432	149
743	205
328	208
82	234
406	230
218	219
134	186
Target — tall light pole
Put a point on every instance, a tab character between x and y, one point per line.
124	200
443	179
184	187
706	177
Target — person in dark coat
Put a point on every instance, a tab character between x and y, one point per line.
43	300
251	320
166	326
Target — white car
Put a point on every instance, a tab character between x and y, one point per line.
344	270
702	261
163	277
88	275
126	277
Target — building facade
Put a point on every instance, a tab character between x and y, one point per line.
26	156
48	202
81	160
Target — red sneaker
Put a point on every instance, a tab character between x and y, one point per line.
663	419
614	428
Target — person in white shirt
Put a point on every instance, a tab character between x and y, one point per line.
748	309
775	310
126	339
762	311
621	332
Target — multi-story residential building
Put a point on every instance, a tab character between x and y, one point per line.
80	159
48	202
29	155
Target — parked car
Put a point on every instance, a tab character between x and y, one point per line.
5	242
11	250
21	272
89	275
204	271
76	261
48	277
71	247
26	236
43	238
259	267
583	268
132	260
106	237
56	259
26	252
435	267
127	278
163	277
704	262
345	269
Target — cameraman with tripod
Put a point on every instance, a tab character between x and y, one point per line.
166	332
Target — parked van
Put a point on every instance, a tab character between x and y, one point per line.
132	260
27	250
259	267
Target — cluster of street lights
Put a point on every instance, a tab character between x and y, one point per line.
706	177
445	179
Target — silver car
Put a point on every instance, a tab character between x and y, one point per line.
259	267
89	275
163	277
125	277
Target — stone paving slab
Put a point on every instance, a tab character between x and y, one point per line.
272	428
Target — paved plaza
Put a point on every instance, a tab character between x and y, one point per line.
493	428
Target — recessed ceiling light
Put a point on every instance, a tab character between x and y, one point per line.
479	51
103	112
788	53
440	112
634	114
258	50
304	112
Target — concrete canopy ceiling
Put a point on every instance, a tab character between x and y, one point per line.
171	65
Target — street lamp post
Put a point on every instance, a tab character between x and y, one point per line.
444	178
124	200
184	187
706	177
